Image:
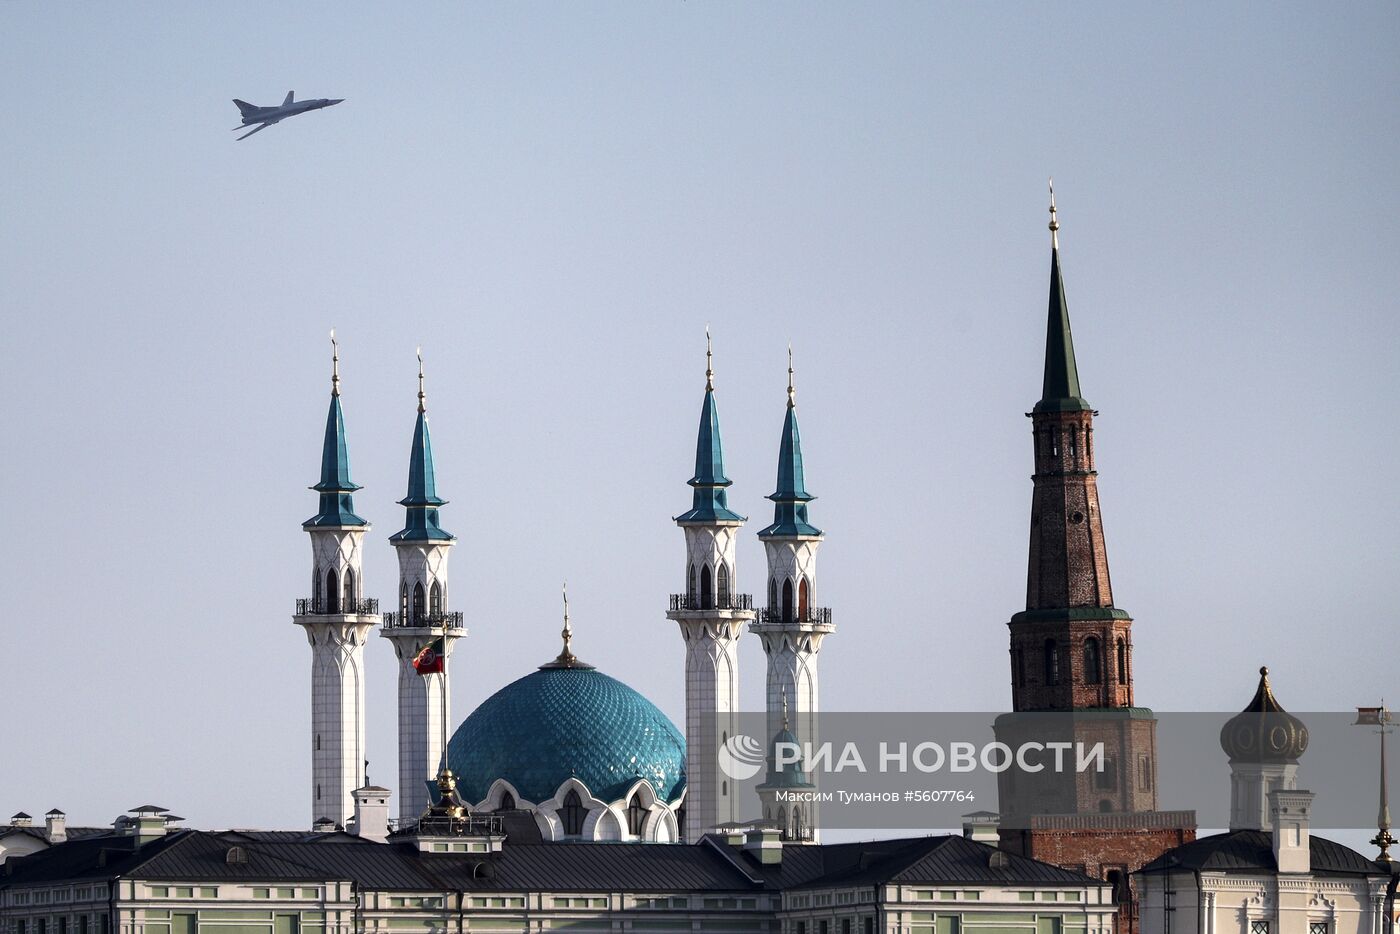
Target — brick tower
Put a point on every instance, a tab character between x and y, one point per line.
1072	657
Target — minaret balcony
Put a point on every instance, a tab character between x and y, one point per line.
808	617
368	606
428	621
724	601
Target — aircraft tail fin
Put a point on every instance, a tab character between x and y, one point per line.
288	100
244	107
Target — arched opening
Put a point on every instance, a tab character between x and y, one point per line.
1093	665
772	594
349	602
1052	662
332	592
316	592
1114	877
690	582
680	822
435	599
507	802
787	601
1122	660
636	816
802	599
418	602
723	585
571	814
782	821
403	604
1106	779
707	595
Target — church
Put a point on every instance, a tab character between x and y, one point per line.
568	801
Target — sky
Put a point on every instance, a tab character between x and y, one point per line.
554	200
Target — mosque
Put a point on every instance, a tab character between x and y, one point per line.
568	801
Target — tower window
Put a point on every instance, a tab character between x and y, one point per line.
723	584
572	813
349	590
1122	660
435	599
690	582
707	593
772	595
787	601
332	592
316	592
1052	662
418	602
1093	666
636	816
403	604
1107	778
802	599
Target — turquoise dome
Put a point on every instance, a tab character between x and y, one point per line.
562	722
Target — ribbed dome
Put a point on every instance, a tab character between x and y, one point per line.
567	720
1264	731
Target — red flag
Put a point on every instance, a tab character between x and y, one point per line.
1371	716
430	659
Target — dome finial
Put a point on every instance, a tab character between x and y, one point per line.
567	658
422	397
1054	220
335	365
709	361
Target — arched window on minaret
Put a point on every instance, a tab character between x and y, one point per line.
707	595
349	602
772	594
690	583
1122	660
403	604
723	584
1052	662
571	814
1093	665
802	599
1074	443
636	816
797	822
435	599
332	592
782	821
418	602
507	802
316	592
787	601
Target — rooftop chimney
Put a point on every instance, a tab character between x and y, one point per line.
981	827
56	826
148	824
21	820
372	813
765	844
1291	812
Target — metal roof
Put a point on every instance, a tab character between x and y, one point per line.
1253	851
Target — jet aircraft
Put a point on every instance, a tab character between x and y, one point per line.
267	116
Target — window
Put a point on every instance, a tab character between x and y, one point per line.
507	802
690	582
869	926
707	595
1119	881
1317	927
418	602
823	927
1093	668
571	814
1107	778
403	604
1052	662
1122	660
772	595
1020	667
845	926
723	585
349	590
435	599
802	927
1260	927
787	601
802	599
316	592
332	592
636	816
1145	777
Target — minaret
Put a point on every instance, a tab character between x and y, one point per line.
337	619
423	548
792	625
1263	742
711	615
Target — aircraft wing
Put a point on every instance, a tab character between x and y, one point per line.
261	126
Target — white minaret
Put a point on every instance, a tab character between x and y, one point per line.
422	617
711	616
792	626
337	619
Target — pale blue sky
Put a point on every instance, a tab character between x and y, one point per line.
554	199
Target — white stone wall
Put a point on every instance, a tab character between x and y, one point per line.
712	545
421	702
1226	903
791	559
422	563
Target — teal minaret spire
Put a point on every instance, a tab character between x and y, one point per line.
1060	392
790	499
710	502
422	502
336	487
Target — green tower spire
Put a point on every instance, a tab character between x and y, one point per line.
790	499
710	502
1060	391
335	487
422	502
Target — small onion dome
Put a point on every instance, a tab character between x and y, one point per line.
1264	731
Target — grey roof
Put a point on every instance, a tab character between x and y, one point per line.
42	833
1253	851
295	856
